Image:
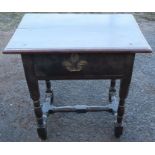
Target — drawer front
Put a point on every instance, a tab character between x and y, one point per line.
80	65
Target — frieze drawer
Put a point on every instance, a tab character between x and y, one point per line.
78	64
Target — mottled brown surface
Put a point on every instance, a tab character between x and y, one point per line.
16	110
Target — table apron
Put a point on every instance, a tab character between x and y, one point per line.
81	66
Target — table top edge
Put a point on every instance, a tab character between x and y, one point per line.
59	51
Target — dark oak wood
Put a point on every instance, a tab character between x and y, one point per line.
77	46
33	86
52	66
123	92
80	66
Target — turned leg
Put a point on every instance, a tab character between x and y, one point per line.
112	89
124	88
49	91
123	92
33	86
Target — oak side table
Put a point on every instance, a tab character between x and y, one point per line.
77	46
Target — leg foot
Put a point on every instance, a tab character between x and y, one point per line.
118	131
42	133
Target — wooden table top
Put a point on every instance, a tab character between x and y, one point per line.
64	33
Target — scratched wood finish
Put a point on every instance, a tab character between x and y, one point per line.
64	33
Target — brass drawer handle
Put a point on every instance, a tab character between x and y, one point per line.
74	64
